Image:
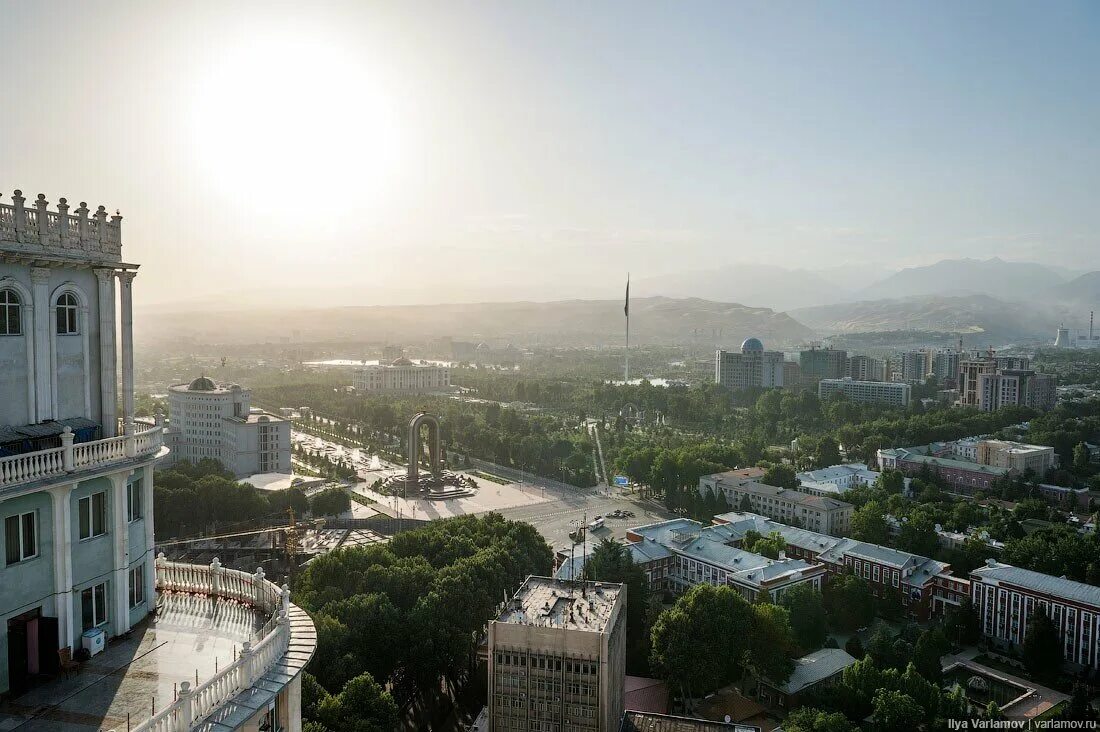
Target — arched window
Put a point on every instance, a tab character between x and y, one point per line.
67	309
11	313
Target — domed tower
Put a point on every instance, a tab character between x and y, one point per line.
752	345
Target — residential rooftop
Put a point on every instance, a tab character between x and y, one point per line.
815	667
553	603
1059	587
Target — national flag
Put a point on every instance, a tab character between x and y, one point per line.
626	307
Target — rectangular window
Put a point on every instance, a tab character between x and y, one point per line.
21	537
93	515
93	606
137	585
133	501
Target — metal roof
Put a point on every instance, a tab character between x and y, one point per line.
1047	584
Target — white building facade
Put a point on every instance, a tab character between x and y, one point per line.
402	375
211	420
753	367
76	484
882	392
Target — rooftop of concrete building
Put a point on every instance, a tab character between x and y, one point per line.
633	721
918	455
552	603
205	385
824	475
816	667
1046	584
740	523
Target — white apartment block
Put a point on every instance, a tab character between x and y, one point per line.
817	513
753	367
557	658
1005	597
402	375
210	420
882	392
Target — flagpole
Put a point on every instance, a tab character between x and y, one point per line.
626	375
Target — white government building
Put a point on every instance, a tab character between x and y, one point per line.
211	420
402	375
895	393
224	649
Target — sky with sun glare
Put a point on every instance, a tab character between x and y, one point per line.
370	152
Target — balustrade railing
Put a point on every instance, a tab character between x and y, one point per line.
70	457
193	705
35	226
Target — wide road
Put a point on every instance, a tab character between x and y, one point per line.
565	511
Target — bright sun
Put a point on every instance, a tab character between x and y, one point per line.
284	119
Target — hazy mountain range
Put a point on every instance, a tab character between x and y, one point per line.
654	320
989	301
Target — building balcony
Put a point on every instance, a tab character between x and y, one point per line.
224	651
78	458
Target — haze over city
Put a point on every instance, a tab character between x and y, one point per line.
353	153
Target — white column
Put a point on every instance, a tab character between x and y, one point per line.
85	361
43	381
150	542
293	696
108	380
121	531
63	562
126	280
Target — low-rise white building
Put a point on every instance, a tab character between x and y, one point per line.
836	480
402	375
210	420
883	392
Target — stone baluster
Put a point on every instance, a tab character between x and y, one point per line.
101	225
116	227
63	226
67	449
258	587
247	661
43	226
19	217
187	713
82	221
216	577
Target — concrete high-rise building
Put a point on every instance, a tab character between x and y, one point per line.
884	392
945	366
792	375
210	420
1016	388
753	367
971	369
76	516
866	368
557	658
913	366
822	363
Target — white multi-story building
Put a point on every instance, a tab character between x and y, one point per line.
402	375
836	480
883	392
1005	597
76	516
827	515
557	658
753	367
211	420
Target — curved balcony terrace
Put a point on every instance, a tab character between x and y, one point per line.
220	648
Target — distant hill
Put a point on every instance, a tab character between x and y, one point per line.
753	284
994	277
980	316
1083	290
654	320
